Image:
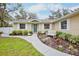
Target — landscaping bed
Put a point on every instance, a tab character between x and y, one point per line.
21	32
10	46
63	42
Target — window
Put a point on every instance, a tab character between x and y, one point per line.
46	26
22	26
64	24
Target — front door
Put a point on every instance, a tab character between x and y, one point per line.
34	27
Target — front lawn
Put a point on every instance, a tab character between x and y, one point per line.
17	47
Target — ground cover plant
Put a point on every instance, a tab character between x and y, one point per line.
63	42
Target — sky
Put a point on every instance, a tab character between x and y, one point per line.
43	9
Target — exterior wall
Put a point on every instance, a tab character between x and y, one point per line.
6	30
73	26
29	26
40	27
16	26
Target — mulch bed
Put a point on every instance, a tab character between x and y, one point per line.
62	45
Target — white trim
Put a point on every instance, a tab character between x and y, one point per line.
68	25
22	29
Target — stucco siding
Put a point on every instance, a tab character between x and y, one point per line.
73	26
56	26
40	27
29	27
16	26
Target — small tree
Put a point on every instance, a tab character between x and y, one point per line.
59	13
4	13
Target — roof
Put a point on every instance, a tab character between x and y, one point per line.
32	21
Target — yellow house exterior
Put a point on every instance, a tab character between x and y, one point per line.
35	25
72	23
68	23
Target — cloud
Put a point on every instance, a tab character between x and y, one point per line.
55	6
37	8
42	7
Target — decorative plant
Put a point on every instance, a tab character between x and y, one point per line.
25	32
60	48
58	33
30	32
1	33
74	39
63	35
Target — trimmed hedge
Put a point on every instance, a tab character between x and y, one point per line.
21	32
66	36
1	32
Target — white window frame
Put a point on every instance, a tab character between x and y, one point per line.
68	25
46	28
21	28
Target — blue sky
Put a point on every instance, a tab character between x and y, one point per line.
43	9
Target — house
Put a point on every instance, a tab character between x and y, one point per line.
35	25
68	23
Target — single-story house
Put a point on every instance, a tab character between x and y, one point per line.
68	23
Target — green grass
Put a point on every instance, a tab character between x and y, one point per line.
17	47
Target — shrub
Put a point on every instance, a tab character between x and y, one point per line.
1	32
71	38
58	33
74	39
67	36
42	32
30	32
21	32
60	48
16	32
25	32
63	35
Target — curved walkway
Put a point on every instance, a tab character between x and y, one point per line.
44	49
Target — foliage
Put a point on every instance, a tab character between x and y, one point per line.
59	13
22	14
60	48
25	15
5	13
42	32
25	32
58	33
11	46
32	15
69	37
30	32
1	32
63	35
74	39
21	32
